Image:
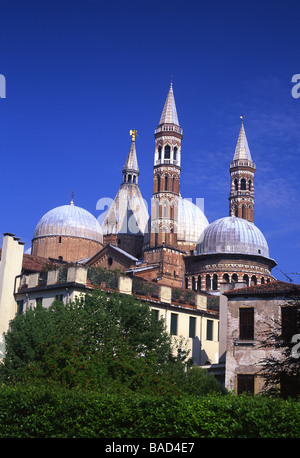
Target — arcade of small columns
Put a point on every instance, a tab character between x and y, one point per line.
211	281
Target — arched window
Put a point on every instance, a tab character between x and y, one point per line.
243	211
129	178
234	278
193	284
134	178
159	153
171	212
158	183
175	153
246	279
262	280
207	282
173	184
253	280
166	182
249	185
199	282
243	184
167	154
236	184
215	282
226	278
186	283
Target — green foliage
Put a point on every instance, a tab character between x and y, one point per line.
28	412
98	275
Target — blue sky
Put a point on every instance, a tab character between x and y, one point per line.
81	74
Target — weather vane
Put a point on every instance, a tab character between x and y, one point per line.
133	134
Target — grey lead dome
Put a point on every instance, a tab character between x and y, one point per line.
233	235
69	220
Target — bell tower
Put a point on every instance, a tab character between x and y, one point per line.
241	198
162	240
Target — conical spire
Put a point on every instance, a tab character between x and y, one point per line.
131	164
169	114
242	150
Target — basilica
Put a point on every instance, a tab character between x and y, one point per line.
210	283
175	245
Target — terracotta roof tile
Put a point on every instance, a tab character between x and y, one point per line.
273	287
33	263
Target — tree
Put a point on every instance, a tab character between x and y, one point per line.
93	338
281	369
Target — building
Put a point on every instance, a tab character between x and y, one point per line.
173	247
67	233
186	315
247	314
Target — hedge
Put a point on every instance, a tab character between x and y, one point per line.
43	413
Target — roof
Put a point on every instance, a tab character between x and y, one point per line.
33	263
69	220
272	288
131	161
233	235
242	150
169	114
128	213
130	259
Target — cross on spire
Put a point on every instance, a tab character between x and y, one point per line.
72	194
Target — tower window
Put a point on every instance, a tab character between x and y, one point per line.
243	184
59	240
166	182
249	185
175	153
129	179
167	152
159	152
243	211
236	184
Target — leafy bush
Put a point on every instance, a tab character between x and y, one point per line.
27	412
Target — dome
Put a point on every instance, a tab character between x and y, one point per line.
191	222
69	220
233	235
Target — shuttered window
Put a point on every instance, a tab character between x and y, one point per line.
247	323
174	319
192	330
245	383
